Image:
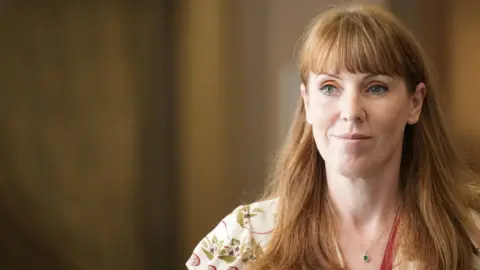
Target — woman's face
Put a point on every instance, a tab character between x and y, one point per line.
358	120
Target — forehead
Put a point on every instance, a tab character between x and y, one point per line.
341	58
358	43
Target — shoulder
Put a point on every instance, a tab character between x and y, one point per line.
403	263
239	237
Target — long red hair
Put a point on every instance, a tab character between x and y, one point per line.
438	189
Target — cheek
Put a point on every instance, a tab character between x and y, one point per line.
391	123
322	108
322	112
322	119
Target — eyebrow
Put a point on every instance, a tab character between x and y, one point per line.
369	75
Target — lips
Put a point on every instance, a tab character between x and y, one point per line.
352	136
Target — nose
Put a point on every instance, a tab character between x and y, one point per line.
351	107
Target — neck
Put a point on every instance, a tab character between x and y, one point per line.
365	204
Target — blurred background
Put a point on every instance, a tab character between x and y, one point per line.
129	129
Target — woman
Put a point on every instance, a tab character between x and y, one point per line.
368	178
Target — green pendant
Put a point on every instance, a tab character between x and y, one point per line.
366	258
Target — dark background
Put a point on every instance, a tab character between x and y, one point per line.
128	129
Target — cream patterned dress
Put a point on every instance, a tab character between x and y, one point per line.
243	235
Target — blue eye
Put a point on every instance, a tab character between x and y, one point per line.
377	89
328	89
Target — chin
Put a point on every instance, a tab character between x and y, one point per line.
353	169
353	173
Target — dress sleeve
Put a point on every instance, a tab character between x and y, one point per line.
228	246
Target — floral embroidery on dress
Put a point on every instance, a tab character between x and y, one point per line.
194	260
244	215
239	238
227	252
242	237
253	251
